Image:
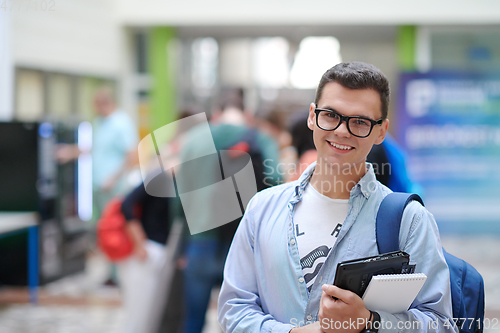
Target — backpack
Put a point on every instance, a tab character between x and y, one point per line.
245	144
112	238
467	286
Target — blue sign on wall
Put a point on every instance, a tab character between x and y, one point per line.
449	123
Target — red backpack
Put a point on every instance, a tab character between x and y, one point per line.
112	236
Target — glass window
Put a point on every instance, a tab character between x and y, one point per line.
270	62
29	95
205	52
315	56
59	95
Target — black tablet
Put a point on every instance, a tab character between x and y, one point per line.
355	275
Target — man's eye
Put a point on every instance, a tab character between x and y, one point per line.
332	115
362	122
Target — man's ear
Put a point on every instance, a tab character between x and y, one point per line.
312	115
383	130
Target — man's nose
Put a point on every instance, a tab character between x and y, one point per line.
342	129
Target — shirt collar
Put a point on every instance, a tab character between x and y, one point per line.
365	186
368	183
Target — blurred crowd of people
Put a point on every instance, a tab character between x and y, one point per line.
280	146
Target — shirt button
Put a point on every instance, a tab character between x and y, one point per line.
292	242
301	279
309	317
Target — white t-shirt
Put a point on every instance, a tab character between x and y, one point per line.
317	220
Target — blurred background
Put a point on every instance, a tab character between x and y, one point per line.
158	58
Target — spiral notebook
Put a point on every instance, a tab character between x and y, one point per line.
393	293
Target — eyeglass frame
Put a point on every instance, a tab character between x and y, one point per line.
346	119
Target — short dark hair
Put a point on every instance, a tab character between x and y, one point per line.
357	75
232	97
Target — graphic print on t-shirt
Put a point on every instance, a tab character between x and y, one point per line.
308	262
318	221
313	261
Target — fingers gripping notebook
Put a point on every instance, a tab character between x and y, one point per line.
393	293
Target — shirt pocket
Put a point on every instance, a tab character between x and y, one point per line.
360	248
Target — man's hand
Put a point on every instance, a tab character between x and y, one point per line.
140	252
109	184
66	152
136	232
345	314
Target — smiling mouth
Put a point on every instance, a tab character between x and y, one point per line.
341	147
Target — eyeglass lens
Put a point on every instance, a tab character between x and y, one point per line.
356	126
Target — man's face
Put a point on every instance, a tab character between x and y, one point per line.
103	104
339	147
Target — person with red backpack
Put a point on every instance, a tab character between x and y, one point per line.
139	273
148	271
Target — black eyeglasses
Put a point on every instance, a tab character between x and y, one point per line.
329	120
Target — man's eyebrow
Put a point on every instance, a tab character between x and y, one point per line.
328	108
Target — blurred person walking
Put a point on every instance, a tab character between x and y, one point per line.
272	121
206	252
114	152
114	149
142	275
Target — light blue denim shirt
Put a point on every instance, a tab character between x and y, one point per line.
264	289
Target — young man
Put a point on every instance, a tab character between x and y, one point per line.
280	268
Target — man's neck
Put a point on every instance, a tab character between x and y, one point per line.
233	116
108	112
335	182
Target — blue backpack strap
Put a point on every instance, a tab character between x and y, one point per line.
388	220
466	284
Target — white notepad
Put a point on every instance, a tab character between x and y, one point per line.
393	293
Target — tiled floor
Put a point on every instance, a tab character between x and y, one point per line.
80	303
73	304
24	318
